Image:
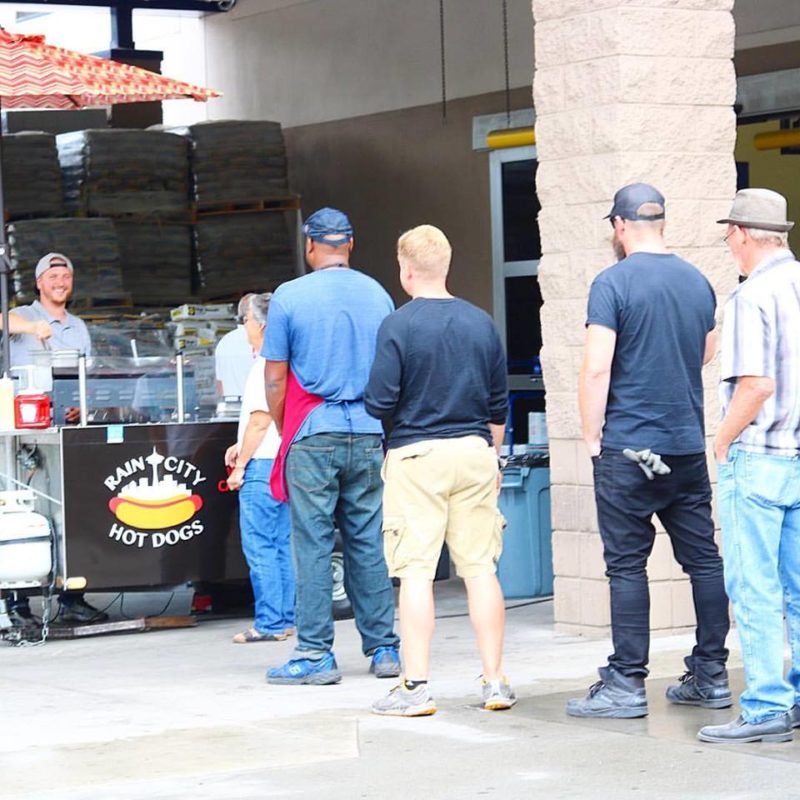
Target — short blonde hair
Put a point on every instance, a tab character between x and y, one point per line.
426	250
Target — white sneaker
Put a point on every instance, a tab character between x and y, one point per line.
498	695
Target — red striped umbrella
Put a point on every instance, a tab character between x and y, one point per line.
34	74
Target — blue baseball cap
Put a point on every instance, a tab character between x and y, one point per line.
329	226
629	199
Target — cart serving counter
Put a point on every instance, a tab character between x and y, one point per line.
135	494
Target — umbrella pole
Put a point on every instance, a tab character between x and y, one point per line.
5	266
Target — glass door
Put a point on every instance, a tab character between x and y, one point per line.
516	250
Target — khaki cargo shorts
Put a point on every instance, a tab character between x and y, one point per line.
441	490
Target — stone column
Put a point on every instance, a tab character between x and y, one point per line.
624	91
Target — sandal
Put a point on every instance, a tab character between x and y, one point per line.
252	635
290	632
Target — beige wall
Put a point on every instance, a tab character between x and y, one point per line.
623	93
392	171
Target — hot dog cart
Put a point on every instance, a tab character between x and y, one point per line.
132	496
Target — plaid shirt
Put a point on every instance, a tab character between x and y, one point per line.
761	338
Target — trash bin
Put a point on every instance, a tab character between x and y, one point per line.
525	568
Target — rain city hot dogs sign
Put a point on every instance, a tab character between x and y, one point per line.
155	501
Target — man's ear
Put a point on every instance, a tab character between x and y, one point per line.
350	245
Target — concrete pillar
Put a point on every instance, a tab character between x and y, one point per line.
624	91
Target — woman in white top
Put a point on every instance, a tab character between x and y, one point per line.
263	521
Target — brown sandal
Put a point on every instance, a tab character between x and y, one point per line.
252	635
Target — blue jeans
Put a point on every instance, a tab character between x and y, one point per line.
626	503
759	509
264	527
334	479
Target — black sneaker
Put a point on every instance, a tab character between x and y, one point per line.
692	692
23	620
613	696
78	611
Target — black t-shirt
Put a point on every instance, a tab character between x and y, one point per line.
439	372
661	308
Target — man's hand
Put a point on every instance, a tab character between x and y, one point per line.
231	454
594	445
236	478
721	447
41	330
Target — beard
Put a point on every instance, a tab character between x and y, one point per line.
619	250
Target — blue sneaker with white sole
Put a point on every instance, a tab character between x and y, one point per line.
305	671
385	662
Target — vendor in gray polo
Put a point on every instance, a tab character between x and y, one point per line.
54	286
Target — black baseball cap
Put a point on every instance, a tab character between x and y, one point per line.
629	199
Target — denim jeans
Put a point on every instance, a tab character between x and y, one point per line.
334	479
264	527
759	508
626	502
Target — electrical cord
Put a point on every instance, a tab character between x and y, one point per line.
536	602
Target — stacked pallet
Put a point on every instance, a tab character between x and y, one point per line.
31	176
91	244
238	253
156	259
236	162
119	172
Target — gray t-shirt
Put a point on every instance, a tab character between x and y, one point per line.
69	334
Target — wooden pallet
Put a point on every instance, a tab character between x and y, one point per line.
288	203
182	217
99	303
136	625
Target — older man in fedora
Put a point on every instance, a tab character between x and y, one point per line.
757	450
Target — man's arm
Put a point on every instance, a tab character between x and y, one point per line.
498	434
17	324
254	434
749	396
382	391
275	376
593	383
712	341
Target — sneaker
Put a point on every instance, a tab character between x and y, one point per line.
385	662
794	715
613	695
402	702
689	692
777	729
498	695
22	619
297	671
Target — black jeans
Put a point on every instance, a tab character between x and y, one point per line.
626	502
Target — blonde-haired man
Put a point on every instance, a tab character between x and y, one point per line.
439	375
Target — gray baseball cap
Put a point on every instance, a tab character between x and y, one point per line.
759	208
52	260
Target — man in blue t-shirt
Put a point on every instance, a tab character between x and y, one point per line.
650	329
319	345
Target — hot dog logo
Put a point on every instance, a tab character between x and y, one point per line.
155	502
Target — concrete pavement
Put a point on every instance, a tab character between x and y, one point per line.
171	715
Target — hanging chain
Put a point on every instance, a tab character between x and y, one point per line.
506	63
443	65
